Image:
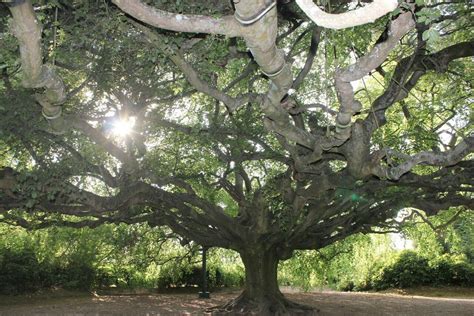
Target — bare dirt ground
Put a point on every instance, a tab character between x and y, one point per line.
328	303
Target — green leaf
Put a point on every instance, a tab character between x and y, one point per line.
430	36
30	203
396	12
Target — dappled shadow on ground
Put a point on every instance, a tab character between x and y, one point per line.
328	303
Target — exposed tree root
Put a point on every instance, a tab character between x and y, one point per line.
268	305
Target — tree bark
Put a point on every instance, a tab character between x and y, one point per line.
261	294
260	274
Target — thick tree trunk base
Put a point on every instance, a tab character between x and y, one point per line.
275	304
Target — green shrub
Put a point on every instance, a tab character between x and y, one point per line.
104	278
408	271
78	275
450	271
231	279
188	276
463	274
20	271
347	286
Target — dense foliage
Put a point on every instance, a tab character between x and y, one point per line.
376	261
138	256
118	256
411	270
264	127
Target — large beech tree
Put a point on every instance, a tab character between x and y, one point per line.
257	125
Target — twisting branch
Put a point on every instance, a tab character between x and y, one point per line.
364	15
343	78
27	29
447	158
261	39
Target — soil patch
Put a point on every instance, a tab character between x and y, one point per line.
175	303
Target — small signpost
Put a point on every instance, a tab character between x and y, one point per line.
204	290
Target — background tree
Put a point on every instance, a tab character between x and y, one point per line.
161	113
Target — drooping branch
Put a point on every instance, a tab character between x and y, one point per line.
329	217
16	220
364	15
27	29
179	22
338	221
187	213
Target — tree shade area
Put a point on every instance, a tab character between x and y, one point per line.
262	127
122	258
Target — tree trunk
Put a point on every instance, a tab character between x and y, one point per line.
261	294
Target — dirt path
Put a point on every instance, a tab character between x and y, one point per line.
328	303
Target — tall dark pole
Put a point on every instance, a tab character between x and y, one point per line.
204	291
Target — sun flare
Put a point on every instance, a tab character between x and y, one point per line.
123	127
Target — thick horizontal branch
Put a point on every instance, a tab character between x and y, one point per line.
179	22
192	215
457	177
364	15
432	206
447	158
